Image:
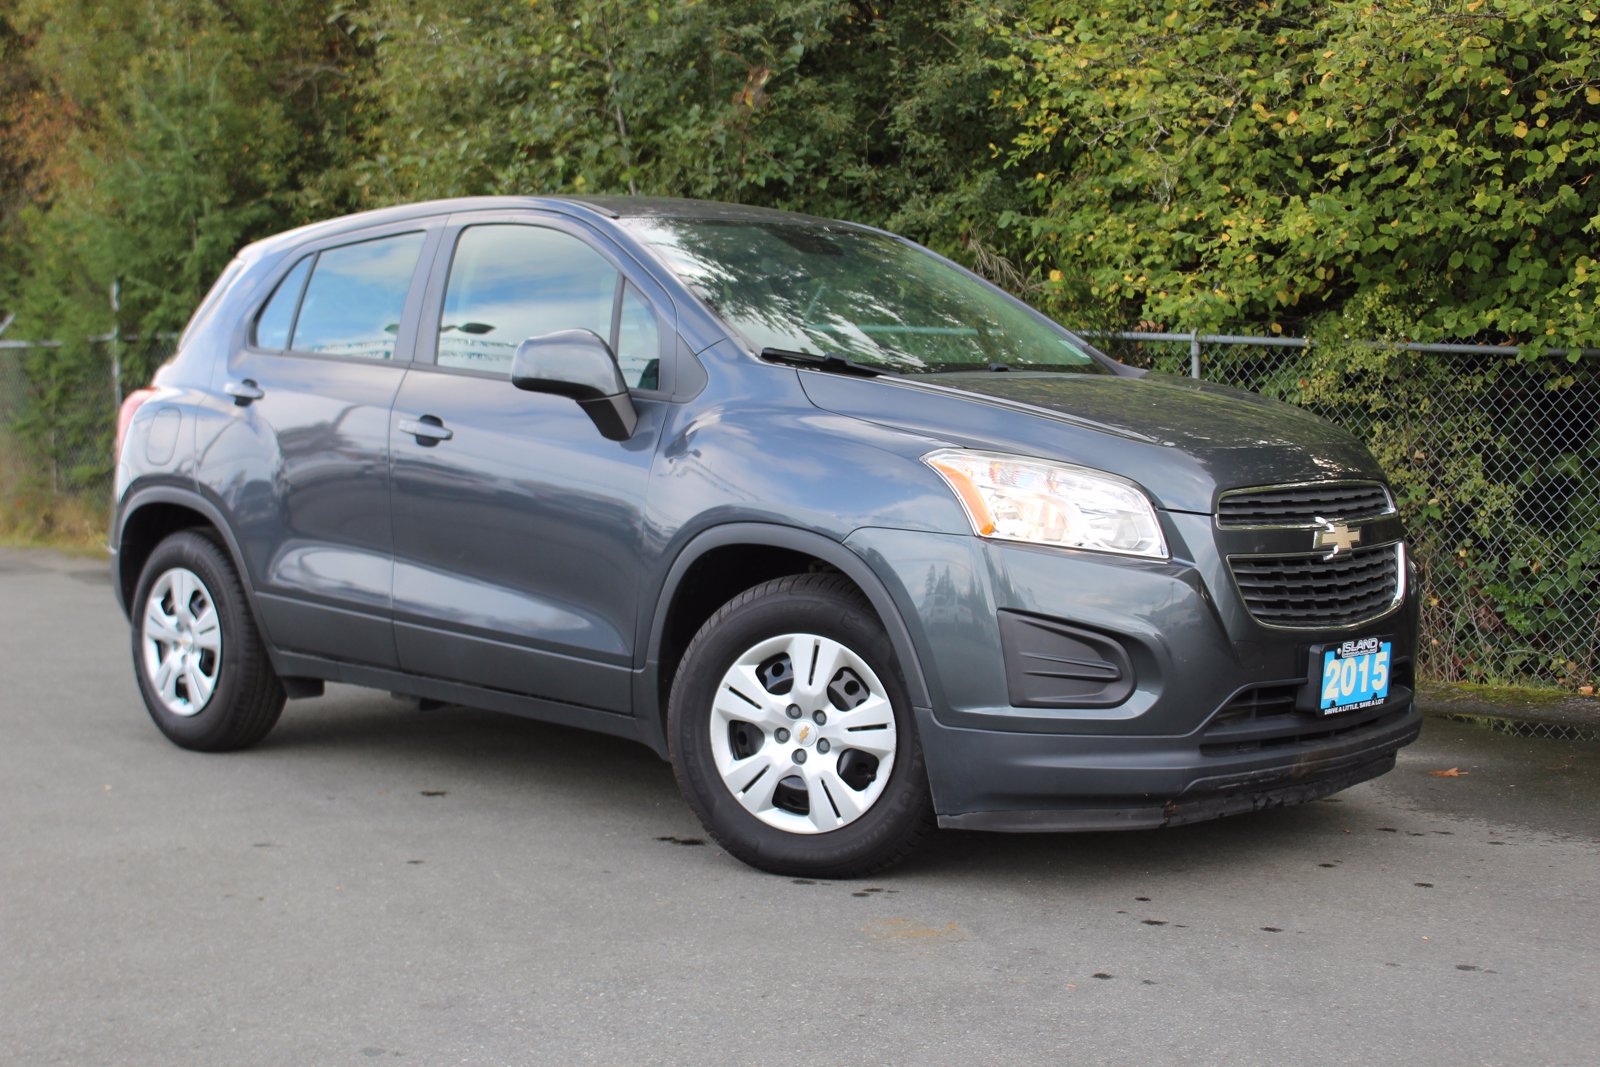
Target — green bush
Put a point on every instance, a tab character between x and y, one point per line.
1205	163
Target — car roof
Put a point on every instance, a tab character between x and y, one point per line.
608	207
678	208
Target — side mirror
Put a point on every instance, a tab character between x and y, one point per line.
578	364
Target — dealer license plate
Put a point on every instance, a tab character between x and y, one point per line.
1355	674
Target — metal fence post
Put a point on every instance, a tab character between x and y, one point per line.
116	343
1194	354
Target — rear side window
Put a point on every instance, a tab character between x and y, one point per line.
509	283
352	303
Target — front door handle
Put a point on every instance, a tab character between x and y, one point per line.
244	392
428	430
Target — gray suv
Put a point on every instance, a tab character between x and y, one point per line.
860	543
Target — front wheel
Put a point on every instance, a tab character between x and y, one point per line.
792	735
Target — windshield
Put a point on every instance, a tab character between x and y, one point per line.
832	290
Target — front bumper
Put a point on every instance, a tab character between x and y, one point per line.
1029	783
1215	722
1172	813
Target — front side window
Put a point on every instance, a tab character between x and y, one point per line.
509	283
355	298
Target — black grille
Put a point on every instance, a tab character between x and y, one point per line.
1310	592
1303	505
1257	703
1267	714
1278	731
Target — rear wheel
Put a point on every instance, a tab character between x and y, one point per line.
202	668
792	736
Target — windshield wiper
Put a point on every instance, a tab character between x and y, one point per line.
969	368
828	361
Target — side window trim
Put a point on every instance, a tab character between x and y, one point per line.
277	289
431	305
616	312
619	320
411	316
300	300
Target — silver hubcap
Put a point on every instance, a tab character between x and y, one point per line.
802	733
182	639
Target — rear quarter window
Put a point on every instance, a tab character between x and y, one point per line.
276	320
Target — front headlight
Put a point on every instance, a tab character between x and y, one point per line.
1043	503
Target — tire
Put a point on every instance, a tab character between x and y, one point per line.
830	783
199	659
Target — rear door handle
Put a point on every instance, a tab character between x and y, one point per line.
428	430
243	392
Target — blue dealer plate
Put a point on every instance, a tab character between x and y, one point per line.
1355	674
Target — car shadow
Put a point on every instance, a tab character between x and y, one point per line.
618	779
459	742
1118	855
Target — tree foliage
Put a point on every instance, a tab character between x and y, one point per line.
1188	164
1415	169
825	106
1208	163
183	131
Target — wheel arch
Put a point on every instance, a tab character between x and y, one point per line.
150	515
722	562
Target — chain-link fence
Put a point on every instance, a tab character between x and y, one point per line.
1503	723
58	415
1495	461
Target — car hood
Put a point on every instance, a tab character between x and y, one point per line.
1182	440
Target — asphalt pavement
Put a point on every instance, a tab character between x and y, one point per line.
375	883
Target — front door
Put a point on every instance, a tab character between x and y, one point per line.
519	529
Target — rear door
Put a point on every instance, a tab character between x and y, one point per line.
519	529
304	465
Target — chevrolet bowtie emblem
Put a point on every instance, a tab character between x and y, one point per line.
1335	536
